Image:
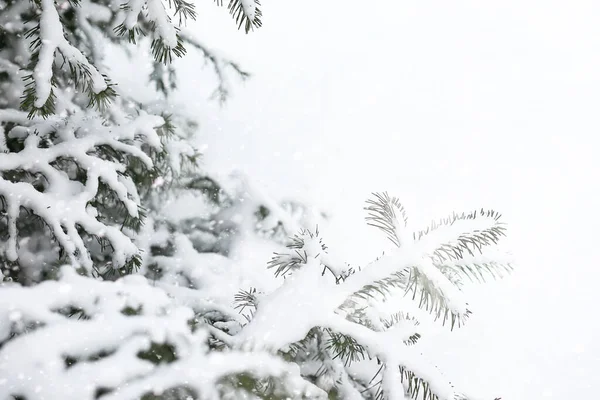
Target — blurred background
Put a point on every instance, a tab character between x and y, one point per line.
450	106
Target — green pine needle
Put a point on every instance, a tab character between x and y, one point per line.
236	9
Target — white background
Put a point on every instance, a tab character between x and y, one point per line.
450	105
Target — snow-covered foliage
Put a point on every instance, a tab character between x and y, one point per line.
81	159
328	317
89	180
324	332
121	340
125	262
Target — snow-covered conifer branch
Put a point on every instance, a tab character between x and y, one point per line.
444	251
129	323
166	41
420	389
184	10
406	323
321	310
344	347
246	13
463	234
443	302
180	275
66	206
304	244
476	267
382	286
394	354
48	40
437	294
246	299
341	310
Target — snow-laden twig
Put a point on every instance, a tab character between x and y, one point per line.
164	28
52	38
490	263
245	12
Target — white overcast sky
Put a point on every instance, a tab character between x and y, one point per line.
449	105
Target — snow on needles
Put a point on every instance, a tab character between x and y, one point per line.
249	8
74	359
156	13
310	297
65	204
77	186
52	38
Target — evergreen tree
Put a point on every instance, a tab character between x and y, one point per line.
97	152
123	300
85	173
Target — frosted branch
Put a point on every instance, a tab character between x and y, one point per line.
82	361
64	204
52	39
